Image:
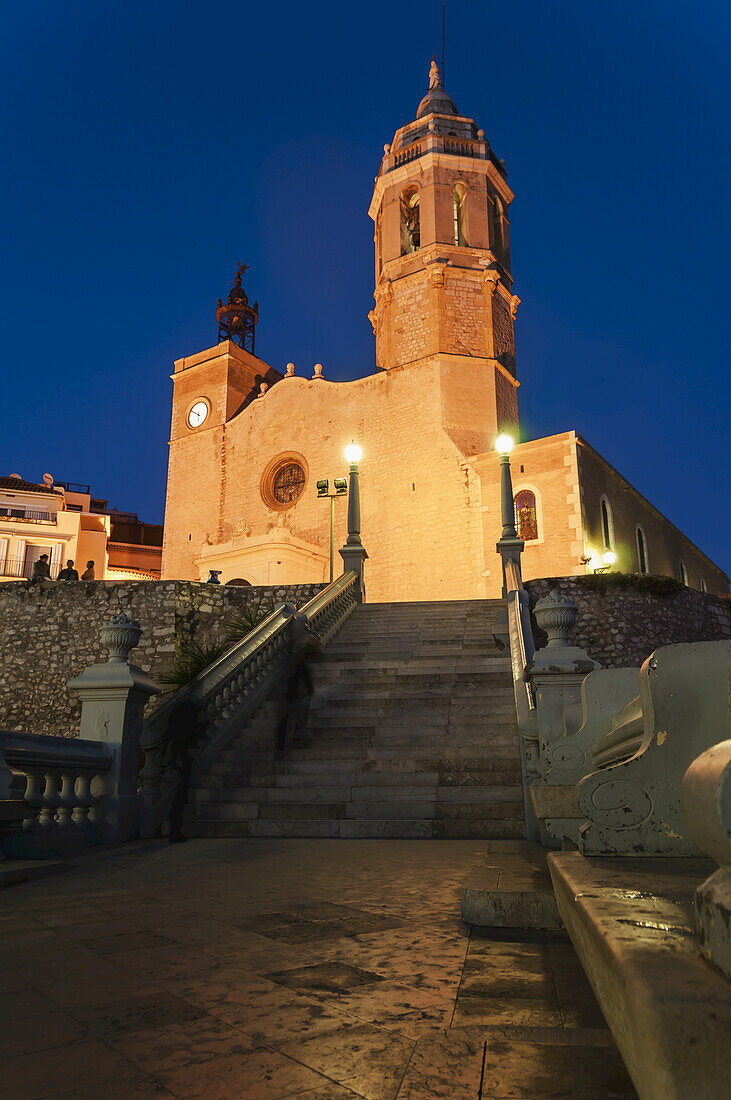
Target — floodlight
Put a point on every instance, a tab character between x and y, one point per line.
323	487
341	485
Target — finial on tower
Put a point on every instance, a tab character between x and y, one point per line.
436	101
237	319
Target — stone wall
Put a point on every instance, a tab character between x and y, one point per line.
49	636
620	627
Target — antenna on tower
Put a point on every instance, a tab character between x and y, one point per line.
444	33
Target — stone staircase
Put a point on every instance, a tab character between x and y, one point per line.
411	733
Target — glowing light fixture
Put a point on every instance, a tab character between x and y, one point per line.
353	452
609	557
504	443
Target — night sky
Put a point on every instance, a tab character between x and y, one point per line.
148	146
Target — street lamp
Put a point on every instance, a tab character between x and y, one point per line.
509	546
353	552
340	486
609	558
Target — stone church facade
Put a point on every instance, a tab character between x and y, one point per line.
248	443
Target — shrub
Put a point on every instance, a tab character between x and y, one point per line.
191	661
642	582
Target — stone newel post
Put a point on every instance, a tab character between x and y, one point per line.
353	552
556	674
113	698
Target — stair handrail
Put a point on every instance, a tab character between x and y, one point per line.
327	611
228	693
522	645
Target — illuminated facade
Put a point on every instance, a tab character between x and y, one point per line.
248	442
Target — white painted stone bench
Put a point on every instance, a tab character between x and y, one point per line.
632	801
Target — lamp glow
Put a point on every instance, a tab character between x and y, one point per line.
353	452
609	557
504	444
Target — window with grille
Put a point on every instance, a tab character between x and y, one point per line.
289	481
526	518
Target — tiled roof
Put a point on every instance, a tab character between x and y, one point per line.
21	486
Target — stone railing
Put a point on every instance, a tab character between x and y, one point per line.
58	790
209	710
522	646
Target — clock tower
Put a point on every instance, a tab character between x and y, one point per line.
443	280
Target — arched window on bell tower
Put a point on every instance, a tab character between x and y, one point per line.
458	206
410	220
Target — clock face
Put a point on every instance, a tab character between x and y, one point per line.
198	414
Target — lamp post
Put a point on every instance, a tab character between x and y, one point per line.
340	486
353	552
509	546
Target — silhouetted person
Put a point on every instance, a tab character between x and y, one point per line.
213	575
69	573
185	725
88	574
295	704
41	570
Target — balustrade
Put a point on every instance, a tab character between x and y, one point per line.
62	782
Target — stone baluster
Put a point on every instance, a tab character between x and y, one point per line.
83	805
67	799
51	800
34	782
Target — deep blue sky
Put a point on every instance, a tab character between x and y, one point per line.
150	145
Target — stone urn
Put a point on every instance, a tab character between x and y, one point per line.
556	614
119	636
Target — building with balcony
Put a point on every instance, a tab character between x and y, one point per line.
63	520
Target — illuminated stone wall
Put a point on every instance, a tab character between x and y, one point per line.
48	636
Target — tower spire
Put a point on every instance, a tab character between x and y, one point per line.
237	319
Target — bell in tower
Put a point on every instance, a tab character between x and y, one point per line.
237	319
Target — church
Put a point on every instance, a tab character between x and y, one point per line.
249	443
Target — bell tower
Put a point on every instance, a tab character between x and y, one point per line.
443	280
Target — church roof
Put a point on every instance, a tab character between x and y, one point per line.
436	101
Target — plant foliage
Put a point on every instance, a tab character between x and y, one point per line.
191	661
248	619
642	582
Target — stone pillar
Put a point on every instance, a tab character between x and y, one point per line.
113	698
556	674
353	552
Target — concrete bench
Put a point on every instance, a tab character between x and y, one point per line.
631	922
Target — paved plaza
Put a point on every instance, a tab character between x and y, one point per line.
275	968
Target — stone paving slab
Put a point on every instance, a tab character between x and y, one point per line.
260	969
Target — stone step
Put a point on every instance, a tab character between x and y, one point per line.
357	829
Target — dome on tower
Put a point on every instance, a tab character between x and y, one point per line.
436	101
